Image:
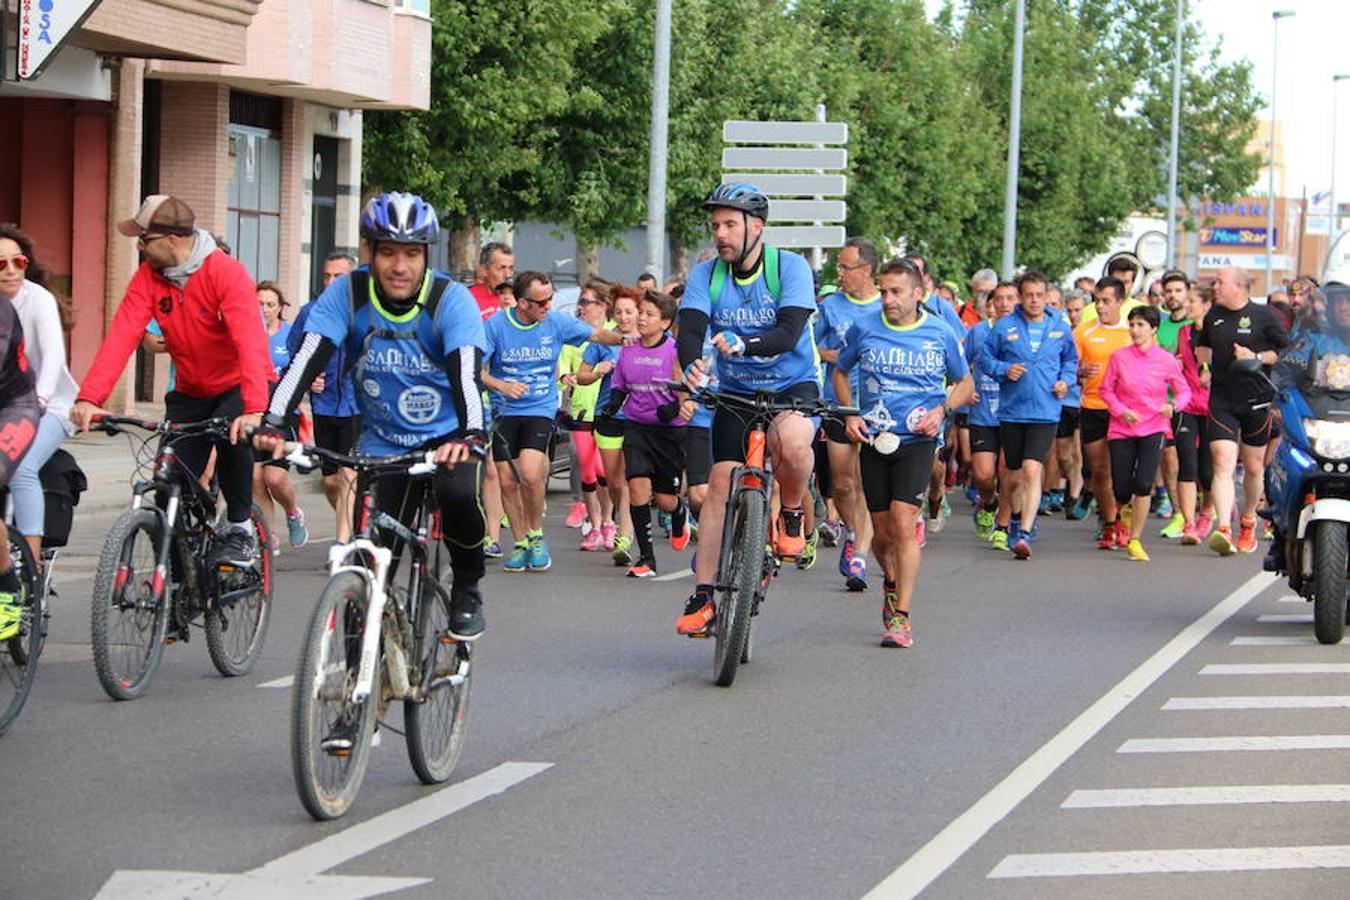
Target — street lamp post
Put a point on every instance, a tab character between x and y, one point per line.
656	171
1276	16
1014	147
1335	97
1174	152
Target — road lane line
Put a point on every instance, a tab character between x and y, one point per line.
284	682
1237	744
1324	701
1276	669
360	839
1298	619
1263	640
1291	598
1206	795
1140	862
672	576
963	832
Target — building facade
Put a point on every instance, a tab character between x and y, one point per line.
249	110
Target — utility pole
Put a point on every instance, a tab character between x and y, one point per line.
1270	204
1174	153
656	171
1014	147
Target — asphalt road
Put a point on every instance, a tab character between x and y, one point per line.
832	768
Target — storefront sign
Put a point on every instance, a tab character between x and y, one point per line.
43	27
1229	236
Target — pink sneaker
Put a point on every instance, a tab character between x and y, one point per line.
576	515
1190	535
593	540
607	532
1204	524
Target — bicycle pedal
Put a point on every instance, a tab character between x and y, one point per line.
700	635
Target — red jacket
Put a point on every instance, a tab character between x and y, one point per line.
212	328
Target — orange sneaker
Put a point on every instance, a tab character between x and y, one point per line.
699	613
1246	542
788	540
1108	538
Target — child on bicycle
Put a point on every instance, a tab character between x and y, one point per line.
19	414
654	421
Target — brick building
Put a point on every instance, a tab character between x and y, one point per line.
250	110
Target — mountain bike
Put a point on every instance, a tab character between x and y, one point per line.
155	579
746	563
375	637
19	655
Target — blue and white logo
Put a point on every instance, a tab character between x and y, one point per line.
419	405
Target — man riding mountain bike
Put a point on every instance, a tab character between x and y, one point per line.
415	339
757	301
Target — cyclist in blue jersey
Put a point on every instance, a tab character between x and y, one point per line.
756	302
415	341
857	297
905	358
521	369
992	509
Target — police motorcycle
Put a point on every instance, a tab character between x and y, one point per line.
1308	484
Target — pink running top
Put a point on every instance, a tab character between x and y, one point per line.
1190	367
1137	380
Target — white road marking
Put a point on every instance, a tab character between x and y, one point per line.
1262	640
673	576
1276	669
1138	862
1291	598
1325	701
962	833
299	873
1298	619
1237	744
283	682
1119	798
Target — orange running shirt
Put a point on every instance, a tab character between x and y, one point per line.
1096	342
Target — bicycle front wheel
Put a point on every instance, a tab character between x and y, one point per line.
437	723
130	609
236	621
19	654
742	579
331	735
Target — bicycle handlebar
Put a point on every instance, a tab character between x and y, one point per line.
764	403
110	424
421	462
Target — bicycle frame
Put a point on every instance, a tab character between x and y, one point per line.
754	475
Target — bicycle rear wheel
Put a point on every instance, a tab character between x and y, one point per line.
328	780
236	624
130	610
19	655
437	724
743	575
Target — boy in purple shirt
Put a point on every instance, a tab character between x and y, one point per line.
654	420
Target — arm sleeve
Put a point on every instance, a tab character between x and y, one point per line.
783	336
615	403
128	326
693	329
464	367
306	364
53	343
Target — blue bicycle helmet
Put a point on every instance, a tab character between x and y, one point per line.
400	218
739	195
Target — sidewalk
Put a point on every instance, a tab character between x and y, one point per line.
109	463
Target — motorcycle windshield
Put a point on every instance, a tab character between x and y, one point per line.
1328	389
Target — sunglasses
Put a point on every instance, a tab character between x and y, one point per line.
19	263
547	301
853	268
146	239
584	301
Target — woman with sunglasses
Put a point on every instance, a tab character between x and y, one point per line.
23	285
19	410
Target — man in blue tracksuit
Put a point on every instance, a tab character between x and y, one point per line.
1032	354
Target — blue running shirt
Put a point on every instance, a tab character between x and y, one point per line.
835	315
529	354
985	411
904	370
402	391
746	308
596	354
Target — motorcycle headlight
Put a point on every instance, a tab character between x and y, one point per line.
1330	440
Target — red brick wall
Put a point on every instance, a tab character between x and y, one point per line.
194	149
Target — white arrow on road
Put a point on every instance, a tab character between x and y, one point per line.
299	873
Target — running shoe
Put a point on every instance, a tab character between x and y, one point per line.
808	557
1122	534
621	555
1056	501
999	539
1268	532
921	533
699	613
466	614
1190	536
944	513
519	560
1078	510
236	548
607	532
1044	508
679	533
1204	523
1135	551
857	574
576	515
643	569
1107	541
898	632
1221	541
846	553
539	560
788	539
492	549
1174	528
973	495
935	508
11	616
829	533
1246	542
1164	510
593	541
663	520
984	524
296	529
1022	547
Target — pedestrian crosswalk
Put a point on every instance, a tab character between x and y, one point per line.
1230	767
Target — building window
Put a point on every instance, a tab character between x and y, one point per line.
421	7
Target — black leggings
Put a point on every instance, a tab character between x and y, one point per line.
1134	465
234	462
463	526
1193	460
